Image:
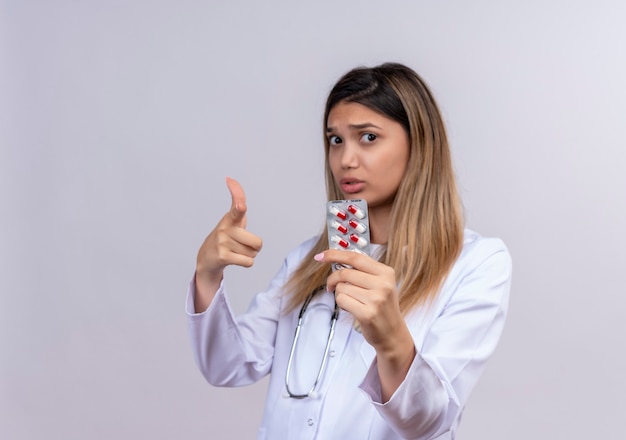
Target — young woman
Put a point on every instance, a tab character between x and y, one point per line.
417	321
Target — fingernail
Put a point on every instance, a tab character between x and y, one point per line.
319	257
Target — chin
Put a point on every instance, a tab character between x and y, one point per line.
357	195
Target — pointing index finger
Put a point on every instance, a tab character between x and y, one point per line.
238	207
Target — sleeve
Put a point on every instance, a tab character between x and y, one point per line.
427	405
236	351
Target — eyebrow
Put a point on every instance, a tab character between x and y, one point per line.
356	127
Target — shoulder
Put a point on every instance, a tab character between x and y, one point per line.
477	247
479	251
481	275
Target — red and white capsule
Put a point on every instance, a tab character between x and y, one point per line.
358	212
338	212
359	227
360	241
338	226
340	241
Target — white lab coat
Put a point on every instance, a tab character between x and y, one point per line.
454	337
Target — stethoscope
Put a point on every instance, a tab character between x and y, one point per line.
333	321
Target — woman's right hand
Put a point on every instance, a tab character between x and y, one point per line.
229	243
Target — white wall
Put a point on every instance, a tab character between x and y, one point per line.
119	121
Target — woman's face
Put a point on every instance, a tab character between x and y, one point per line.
368	153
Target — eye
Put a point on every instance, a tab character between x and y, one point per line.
334	140
368	137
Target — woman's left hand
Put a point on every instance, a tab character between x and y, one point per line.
369	292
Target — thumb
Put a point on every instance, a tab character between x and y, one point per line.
238	207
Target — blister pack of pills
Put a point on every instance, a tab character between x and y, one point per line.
347	223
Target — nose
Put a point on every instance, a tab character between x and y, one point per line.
349	156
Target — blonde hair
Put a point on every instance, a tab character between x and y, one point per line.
426	225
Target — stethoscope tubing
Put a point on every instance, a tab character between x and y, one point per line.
331	333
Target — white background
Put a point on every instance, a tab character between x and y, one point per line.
119	121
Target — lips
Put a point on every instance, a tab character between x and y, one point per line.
351	186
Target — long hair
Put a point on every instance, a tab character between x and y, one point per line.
426	230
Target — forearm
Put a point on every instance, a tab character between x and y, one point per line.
220	349
206	287
393	363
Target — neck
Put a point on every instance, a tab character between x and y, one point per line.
379	219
